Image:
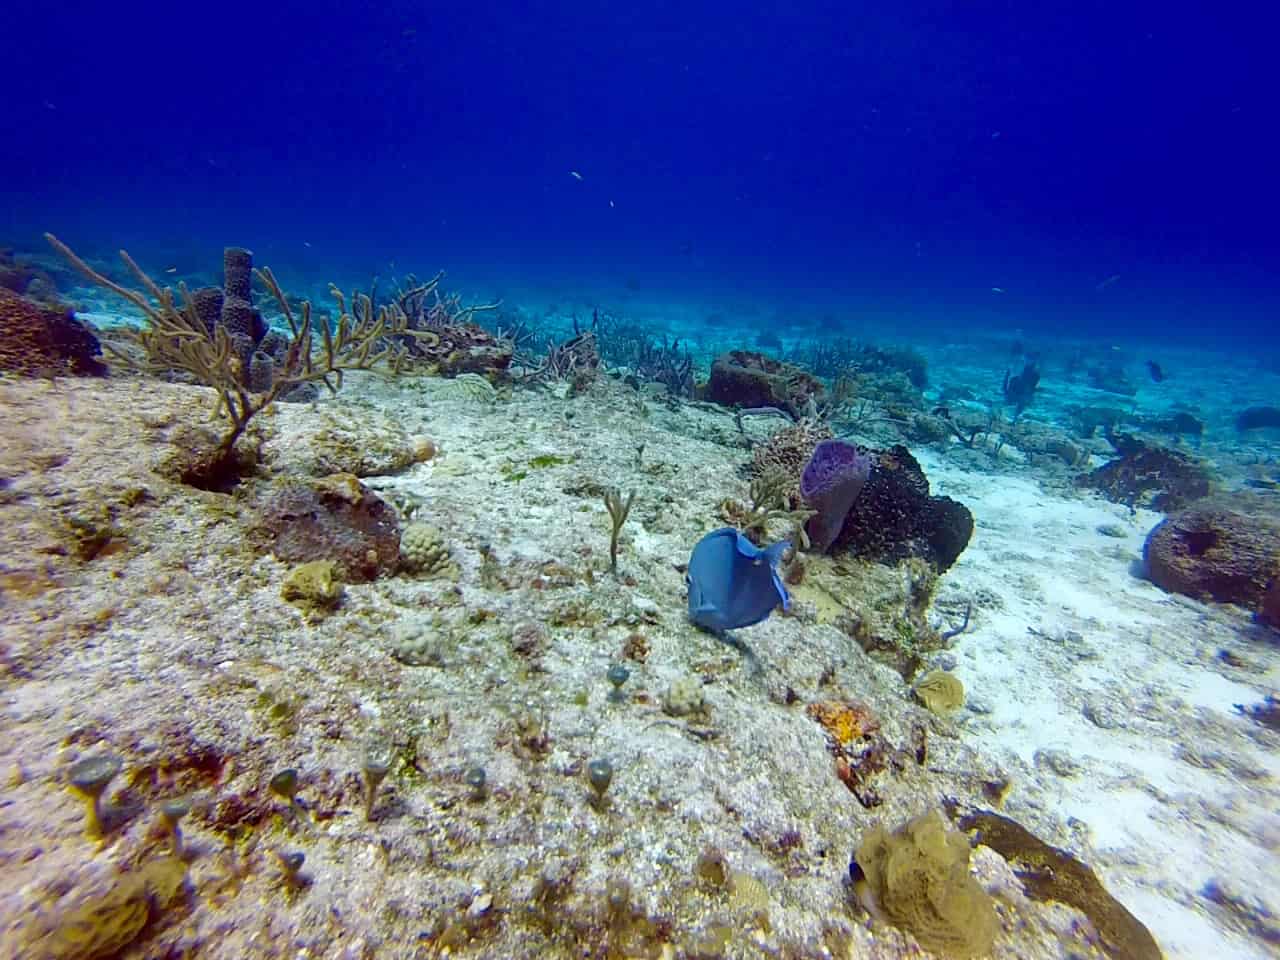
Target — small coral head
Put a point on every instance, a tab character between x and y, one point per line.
285	784
89	778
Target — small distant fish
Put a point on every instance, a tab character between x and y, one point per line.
1156	373
575	174
49	106
610	203
1107	282
997	289
170	269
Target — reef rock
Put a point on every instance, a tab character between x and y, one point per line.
337	519
460	348
26	278
741	378
1212	553
1270	612
1258	418
895	518
1147	475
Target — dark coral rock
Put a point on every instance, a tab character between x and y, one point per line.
462	348
1210	552
744	379
1179	423
1266	713
1146	475
24	277
895	518
1087	420
1111	379
43	341
870	360
1258	418
1270	612
336	519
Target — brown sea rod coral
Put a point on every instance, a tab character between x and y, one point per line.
176	336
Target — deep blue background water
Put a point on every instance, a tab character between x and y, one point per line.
892	159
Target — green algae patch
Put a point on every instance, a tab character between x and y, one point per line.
545	460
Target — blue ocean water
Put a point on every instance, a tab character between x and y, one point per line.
1102	168
1033	245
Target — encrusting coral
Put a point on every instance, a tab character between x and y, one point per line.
106	919
43	341
1048	873
314	587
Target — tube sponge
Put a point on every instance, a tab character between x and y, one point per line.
831	481
919	878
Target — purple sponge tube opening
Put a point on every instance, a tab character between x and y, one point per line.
831	481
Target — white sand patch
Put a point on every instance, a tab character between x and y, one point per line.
1110	692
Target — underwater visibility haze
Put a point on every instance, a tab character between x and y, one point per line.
639	480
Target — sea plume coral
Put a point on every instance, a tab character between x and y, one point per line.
178	335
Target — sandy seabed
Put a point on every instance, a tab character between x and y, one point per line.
142	618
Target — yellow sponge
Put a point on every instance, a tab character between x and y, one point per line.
919	878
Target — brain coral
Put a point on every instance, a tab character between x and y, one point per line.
40	341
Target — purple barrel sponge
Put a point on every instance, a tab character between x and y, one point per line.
831	481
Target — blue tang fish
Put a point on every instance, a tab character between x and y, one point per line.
732	582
